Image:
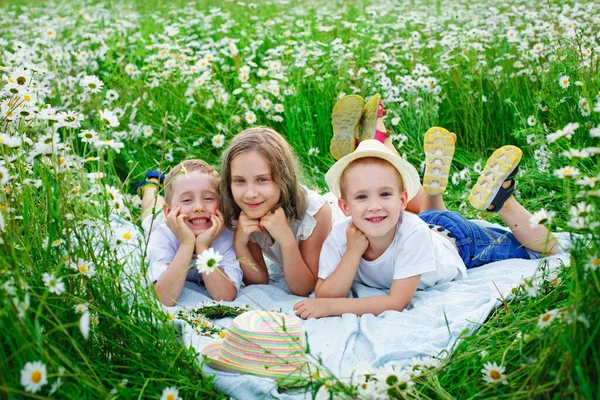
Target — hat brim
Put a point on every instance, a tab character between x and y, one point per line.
409	174
288	374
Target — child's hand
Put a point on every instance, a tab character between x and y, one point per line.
356	239
276	223
314	308
245	226
176	223
204	240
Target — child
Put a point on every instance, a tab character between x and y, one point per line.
192	223
383	246
275	214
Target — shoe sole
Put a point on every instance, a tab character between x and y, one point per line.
369	118
439	150
344	119
498	167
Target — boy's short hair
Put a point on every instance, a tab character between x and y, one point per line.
190	166
367	161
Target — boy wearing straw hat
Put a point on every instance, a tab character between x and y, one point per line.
385	247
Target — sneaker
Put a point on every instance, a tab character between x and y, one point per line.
345	117
439	150
500	167
152	174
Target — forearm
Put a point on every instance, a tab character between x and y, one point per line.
367	305
169	285
219	286
254	272
339	282
297	274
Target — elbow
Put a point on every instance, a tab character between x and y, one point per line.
167	302
304	292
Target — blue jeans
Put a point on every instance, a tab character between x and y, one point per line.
478	245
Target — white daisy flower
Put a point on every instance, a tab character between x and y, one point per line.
88	136
109	118
567	172
170	393
208	261
218	140
540	218
91	83
33	376
54	285
84	267
531	121
250	117
395	121
546	319
564	81
313	151
493	373
81	308
390	380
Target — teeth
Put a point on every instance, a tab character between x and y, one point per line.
197	221
376	218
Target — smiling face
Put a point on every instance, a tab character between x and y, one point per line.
374	197
198	198
252	185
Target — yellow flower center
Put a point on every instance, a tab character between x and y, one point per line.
596	261
567	171
170	396
565	81
546	317
222	334
36	376
27	98
1	140
127	236
494	374
83	268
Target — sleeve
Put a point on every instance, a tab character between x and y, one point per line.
416	255
331	254
229	263
161	251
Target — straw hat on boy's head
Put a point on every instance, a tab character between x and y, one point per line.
263	343
374	148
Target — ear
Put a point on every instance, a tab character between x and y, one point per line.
404	200
344	207
166	210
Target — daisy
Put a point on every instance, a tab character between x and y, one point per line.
593	264
250	117
91	84
125	235
567	172
540	218
81	308
88	136
53	284
112	95
546	319
33	376
170	393
393	382
395	121
493	373
85	267
3	175
595	132
109	118
208	261
531	121
313	151
218	140
564	81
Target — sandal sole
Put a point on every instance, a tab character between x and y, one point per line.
497	168
439	150
345	117
369	118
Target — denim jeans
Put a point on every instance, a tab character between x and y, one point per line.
478	245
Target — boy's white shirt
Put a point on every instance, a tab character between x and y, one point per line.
415	250
164	245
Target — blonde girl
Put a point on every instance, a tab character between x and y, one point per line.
271	212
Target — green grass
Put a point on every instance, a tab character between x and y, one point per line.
484	96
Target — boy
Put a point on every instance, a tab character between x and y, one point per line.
384	247
192	223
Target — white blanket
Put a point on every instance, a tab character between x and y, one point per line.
429	326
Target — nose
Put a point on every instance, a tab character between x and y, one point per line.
251	192
199	206
374	206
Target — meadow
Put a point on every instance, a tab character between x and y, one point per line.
94	94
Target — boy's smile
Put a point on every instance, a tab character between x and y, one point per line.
373	198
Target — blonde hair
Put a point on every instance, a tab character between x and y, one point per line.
284	166
190	166
367	161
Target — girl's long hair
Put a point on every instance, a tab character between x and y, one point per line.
284	166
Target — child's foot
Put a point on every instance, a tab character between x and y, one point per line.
439	150
371	121
152	178
496	183
345	117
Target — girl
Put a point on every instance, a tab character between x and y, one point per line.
276	216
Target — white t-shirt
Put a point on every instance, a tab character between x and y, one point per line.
164	245
415	250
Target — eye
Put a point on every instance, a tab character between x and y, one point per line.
238	181
386	194
186	200
208	198
262	180
361	197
